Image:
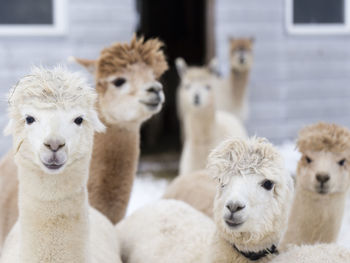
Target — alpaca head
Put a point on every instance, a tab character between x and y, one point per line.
324	167
52	119
254	193
127	80
197	85
241	55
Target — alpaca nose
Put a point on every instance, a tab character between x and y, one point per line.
54	144
241	59
322	178
155	88
235	207
196	99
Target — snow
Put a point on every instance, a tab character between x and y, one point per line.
148	188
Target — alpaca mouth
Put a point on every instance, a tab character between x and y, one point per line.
151	104
53	166
233	224
322	190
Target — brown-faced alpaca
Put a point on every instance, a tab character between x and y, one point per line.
204	126
232	92
128	94
322	182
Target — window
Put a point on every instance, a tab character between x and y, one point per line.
318	16
32	17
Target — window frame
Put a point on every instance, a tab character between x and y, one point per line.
316	29
57	28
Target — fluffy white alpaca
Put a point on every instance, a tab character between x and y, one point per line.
319	253
204	126
254	193
52	120
322	181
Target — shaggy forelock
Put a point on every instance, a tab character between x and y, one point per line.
45	88
243	157
121	55
324	137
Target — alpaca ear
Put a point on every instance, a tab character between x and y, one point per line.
9	128
213	66
89	64
181	66
97	124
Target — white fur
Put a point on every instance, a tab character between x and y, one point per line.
56	223
319	253
204	127
172	231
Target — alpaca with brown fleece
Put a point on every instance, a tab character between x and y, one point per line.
251	207
232	91
322	182
128	94
52	122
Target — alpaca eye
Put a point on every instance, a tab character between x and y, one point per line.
30	120
267	184
207	87
308	159
78	121
119	82
341	162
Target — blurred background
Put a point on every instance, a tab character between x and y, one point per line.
301	52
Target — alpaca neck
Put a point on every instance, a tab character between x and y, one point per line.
238	83
53	215
315	217
224	251
113	167
199	126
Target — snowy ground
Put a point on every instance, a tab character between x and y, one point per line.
148	188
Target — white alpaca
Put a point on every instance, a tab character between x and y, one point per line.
322	181
251	207
197	189
204	126
52	120
232	91
319	253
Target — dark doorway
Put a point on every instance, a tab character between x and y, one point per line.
182	26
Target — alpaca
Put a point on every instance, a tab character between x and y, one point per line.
204	126
197	189
232	91
251	207
52	121
128	94
322	182
319	253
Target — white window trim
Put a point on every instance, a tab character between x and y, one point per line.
316	29
59	26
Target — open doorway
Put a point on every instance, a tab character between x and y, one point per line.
186	28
